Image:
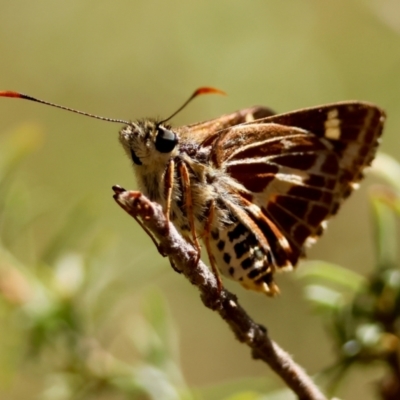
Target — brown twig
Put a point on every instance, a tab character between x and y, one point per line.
184	256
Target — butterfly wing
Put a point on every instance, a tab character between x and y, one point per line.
298	167
208	131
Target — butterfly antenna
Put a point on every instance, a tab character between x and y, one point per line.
197	92
17	95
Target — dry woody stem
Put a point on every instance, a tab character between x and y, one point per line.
184	258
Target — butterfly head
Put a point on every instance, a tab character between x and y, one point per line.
153	143
149	143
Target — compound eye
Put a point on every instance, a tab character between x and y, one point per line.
166	140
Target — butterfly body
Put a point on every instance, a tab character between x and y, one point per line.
255	187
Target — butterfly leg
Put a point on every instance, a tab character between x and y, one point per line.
169	181
207	232
169	184
187	193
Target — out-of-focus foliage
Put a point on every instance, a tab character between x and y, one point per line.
363	313
55	309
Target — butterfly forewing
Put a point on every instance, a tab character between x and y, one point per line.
298	167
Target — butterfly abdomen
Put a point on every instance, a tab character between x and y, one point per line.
240	257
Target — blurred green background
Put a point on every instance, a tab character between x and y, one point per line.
134	59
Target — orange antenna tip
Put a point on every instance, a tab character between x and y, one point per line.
9	93
197	92
208	90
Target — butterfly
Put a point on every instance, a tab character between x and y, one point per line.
256	187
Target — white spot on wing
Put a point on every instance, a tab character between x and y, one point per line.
310	241
292	178
332	125
284	243
286	268
249	117
354	185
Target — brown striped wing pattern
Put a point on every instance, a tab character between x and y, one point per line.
297	168
207	132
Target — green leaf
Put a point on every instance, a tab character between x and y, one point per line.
385	233
332	273
326	299
387	168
